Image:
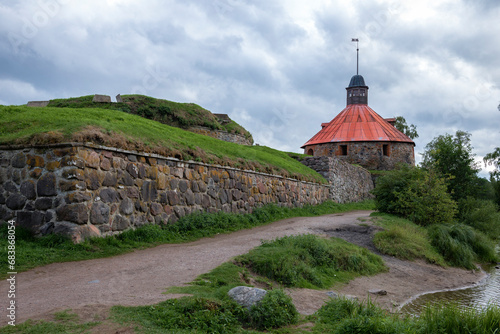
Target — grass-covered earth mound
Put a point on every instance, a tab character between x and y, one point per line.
181	115
116	128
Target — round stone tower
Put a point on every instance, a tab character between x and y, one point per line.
359	135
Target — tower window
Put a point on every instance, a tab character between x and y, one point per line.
386	150
343	150
310	151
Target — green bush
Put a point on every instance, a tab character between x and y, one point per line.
310	261
481	214
462	245
274	310
416	194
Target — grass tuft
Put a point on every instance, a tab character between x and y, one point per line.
405	240
308	261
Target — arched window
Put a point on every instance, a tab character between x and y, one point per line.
310	152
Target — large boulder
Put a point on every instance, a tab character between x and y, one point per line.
246	296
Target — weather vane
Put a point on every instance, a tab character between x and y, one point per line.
357	54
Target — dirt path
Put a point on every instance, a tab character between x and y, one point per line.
139	278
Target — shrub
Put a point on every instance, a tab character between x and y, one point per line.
416	194
461	245
480	214
274	310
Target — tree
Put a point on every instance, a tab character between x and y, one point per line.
409	130
416	194
493	159
452	157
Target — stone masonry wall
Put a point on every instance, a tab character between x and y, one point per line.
85	190
222	135
370	155
348	183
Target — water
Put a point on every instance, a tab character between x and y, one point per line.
478	296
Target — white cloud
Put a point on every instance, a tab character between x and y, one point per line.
278	68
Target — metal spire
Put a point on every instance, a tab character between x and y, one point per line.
357	54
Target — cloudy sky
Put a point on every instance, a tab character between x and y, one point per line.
277	67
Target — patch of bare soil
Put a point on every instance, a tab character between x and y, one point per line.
90	288
403	281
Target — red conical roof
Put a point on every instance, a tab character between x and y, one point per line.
358	122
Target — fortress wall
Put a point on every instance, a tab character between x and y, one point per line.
87	190
348	183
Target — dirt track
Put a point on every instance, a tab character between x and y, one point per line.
139	278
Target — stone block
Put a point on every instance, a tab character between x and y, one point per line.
109	195
120	223
161	181
92	180
38	104
99	214
18	160
127	207
75	213
101	98
149	192
189	197
72	161
16	201
173	198
156	209
142	171
183	186
31	220
35	161
105	164
36	173
71	185
133	170
28	189
119	98
110	180
44	203
132	192
78	197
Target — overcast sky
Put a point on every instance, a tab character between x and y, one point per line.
277	67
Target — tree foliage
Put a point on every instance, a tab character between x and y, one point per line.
493	159
452	157
416	194
409	130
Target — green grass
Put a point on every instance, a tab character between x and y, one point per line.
167	112
64	322
32	252
404	239
24	125
457	245
309	261
348	316
462	246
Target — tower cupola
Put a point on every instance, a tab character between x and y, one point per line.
357	92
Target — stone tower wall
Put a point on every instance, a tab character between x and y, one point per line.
370	155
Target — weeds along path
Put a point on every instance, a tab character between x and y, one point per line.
139	278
